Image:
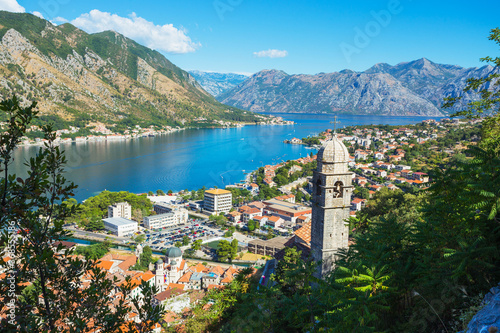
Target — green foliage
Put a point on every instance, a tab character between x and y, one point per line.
414	261
240	195
219	220
311	141
38	206
144	260
95	208
251	225
196	245
140	239
94	224
227	251
95	251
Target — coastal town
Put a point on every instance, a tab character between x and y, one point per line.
231	166
100	132
200	245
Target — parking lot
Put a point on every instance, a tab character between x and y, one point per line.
195	229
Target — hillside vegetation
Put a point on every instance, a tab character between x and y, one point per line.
103	77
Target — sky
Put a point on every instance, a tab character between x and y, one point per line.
296	36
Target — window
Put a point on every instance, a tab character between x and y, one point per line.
338	190
318	187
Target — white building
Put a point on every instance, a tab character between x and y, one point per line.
217	201
181	213
121	209
166	220
196	205
120	226
402	167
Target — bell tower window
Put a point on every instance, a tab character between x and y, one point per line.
338	190
318	187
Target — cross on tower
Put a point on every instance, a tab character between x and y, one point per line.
335	122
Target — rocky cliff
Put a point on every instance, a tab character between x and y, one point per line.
217	83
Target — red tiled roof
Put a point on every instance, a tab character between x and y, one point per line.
198	268
304	233
105	264
274	218
129	261
252	211
175	285
185	278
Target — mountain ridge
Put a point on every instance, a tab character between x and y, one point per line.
103	77
408	88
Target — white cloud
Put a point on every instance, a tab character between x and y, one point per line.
11	6
165	38
59	20
38	14
271	53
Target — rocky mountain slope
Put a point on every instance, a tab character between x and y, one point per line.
408	89
217	83
434	81
103	77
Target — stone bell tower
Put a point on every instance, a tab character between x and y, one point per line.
331	202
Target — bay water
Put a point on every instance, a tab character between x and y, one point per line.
192	158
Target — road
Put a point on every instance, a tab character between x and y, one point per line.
198	215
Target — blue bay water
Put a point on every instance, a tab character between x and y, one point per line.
192	158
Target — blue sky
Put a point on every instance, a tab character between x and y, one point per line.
296	36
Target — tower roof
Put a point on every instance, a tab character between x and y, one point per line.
333	150
174	252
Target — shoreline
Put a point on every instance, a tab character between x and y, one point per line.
114	137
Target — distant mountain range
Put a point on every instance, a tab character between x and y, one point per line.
415	88
217	83
104	77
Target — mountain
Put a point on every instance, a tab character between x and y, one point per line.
103	77
217	83
408	89
434	81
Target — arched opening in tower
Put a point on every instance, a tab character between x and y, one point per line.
338	190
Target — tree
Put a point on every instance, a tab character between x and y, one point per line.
146	258
94	224
196	245
34	206
150	193
178	244
251	225
95	251
185	240
234	247
160	192
140	239
170	192
225	252
270	233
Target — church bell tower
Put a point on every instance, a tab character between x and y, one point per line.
331	202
